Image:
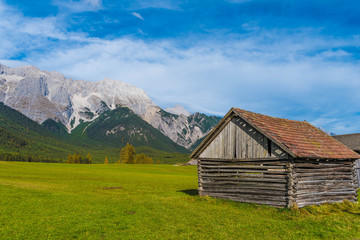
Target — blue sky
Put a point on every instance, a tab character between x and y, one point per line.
291	59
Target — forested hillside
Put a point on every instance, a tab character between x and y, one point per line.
22	139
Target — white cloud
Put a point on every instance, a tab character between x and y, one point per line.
78	6
210	80
334	53
278	78
137	15
94	3
165	4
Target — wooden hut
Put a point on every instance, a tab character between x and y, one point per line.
353	142
253	158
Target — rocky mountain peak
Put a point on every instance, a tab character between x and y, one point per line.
178	110
43	95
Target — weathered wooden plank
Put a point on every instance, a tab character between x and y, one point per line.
244	166
278	204
246	170
325	169
314	201
329	177
321	201
238	143
243	142
260	192
244	159
318	187
274	171
321	198
228	187
323	194
322	165
325	174
250	171
240	175
270	180
324	190
241	197
247	165
246	184
235	164
322	181
291	184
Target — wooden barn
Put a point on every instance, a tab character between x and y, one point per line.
253	158
353	142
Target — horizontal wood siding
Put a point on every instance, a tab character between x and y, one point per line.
357	171
260	181
316	182
238	140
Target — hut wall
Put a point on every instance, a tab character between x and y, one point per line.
316	182
357	171
238	140
242	164
261	181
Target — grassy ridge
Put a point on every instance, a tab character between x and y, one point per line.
61	201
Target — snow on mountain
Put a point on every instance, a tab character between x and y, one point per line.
178	110
41	95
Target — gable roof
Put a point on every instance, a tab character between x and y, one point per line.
350	140
299	139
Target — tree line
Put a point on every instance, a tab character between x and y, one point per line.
128	156
78	158
26	158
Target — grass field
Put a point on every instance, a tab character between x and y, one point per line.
63	201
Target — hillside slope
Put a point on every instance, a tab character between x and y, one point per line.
23	139
120	126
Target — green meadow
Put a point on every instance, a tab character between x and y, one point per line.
98	201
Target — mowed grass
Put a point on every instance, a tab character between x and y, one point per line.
62	201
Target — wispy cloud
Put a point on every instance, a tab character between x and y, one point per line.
215	80
137	15
78	6
164	4
297	73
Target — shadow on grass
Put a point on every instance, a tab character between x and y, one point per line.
191	192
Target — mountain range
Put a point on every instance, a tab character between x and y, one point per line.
22	139
107	111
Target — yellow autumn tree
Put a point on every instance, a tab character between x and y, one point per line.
106	160
89	158
76	158
141	158
127	154
149	160
70	159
